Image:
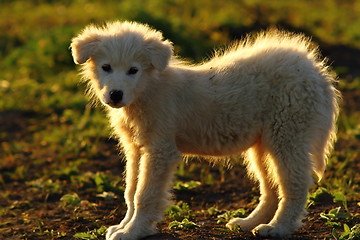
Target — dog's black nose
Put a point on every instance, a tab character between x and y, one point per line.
116	96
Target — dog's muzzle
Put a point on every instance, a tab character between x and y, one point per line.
116	96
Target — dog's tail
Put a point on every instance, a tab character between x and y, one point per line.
324	136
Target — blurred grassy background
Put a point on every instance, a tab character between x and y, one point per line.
35	35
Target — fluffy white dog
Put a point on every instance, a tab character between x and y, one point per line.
270	96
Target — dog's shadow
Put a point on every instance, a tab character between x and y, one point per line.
175	236
163	236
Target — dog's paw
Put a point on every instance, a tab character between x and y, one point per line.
268	230
119	234
116	232
111	230
245	224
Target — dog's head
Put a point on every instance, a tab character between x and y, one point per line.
118	58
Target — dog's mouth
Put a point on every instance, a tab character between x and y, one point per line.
114	106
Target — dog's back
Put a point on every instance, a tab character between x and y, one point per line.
247	86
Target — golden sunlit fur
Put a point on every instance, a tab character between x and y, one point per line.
270	97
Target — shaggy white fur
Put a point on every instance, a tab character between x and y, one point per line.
270	96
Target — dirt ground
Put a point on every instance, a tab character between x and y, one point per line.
236	191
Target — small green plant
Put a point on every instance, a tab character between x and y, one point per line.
70	200
213	211
108	196
320	195
92	234
183	225
348	234
234	229
51	233
104	183
73	201
46	185
339	197
228	215
3	212
206	176
179	185
335	216
179	211
67	171
224	217
324	195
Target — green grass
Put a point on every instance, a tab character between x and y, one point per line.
92	234
50	135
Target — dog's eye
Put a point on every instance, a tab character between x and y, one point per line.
132	71
106	68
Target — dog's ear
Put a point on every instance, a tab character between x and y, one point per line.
159	52
84	46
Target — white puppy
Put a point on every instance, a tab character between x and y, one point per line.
271	97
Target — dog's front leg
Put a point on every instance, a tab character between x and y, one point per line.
157	165
131	177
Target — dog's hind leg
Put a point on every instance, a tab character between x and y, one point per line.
157	165
256	162
293	174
